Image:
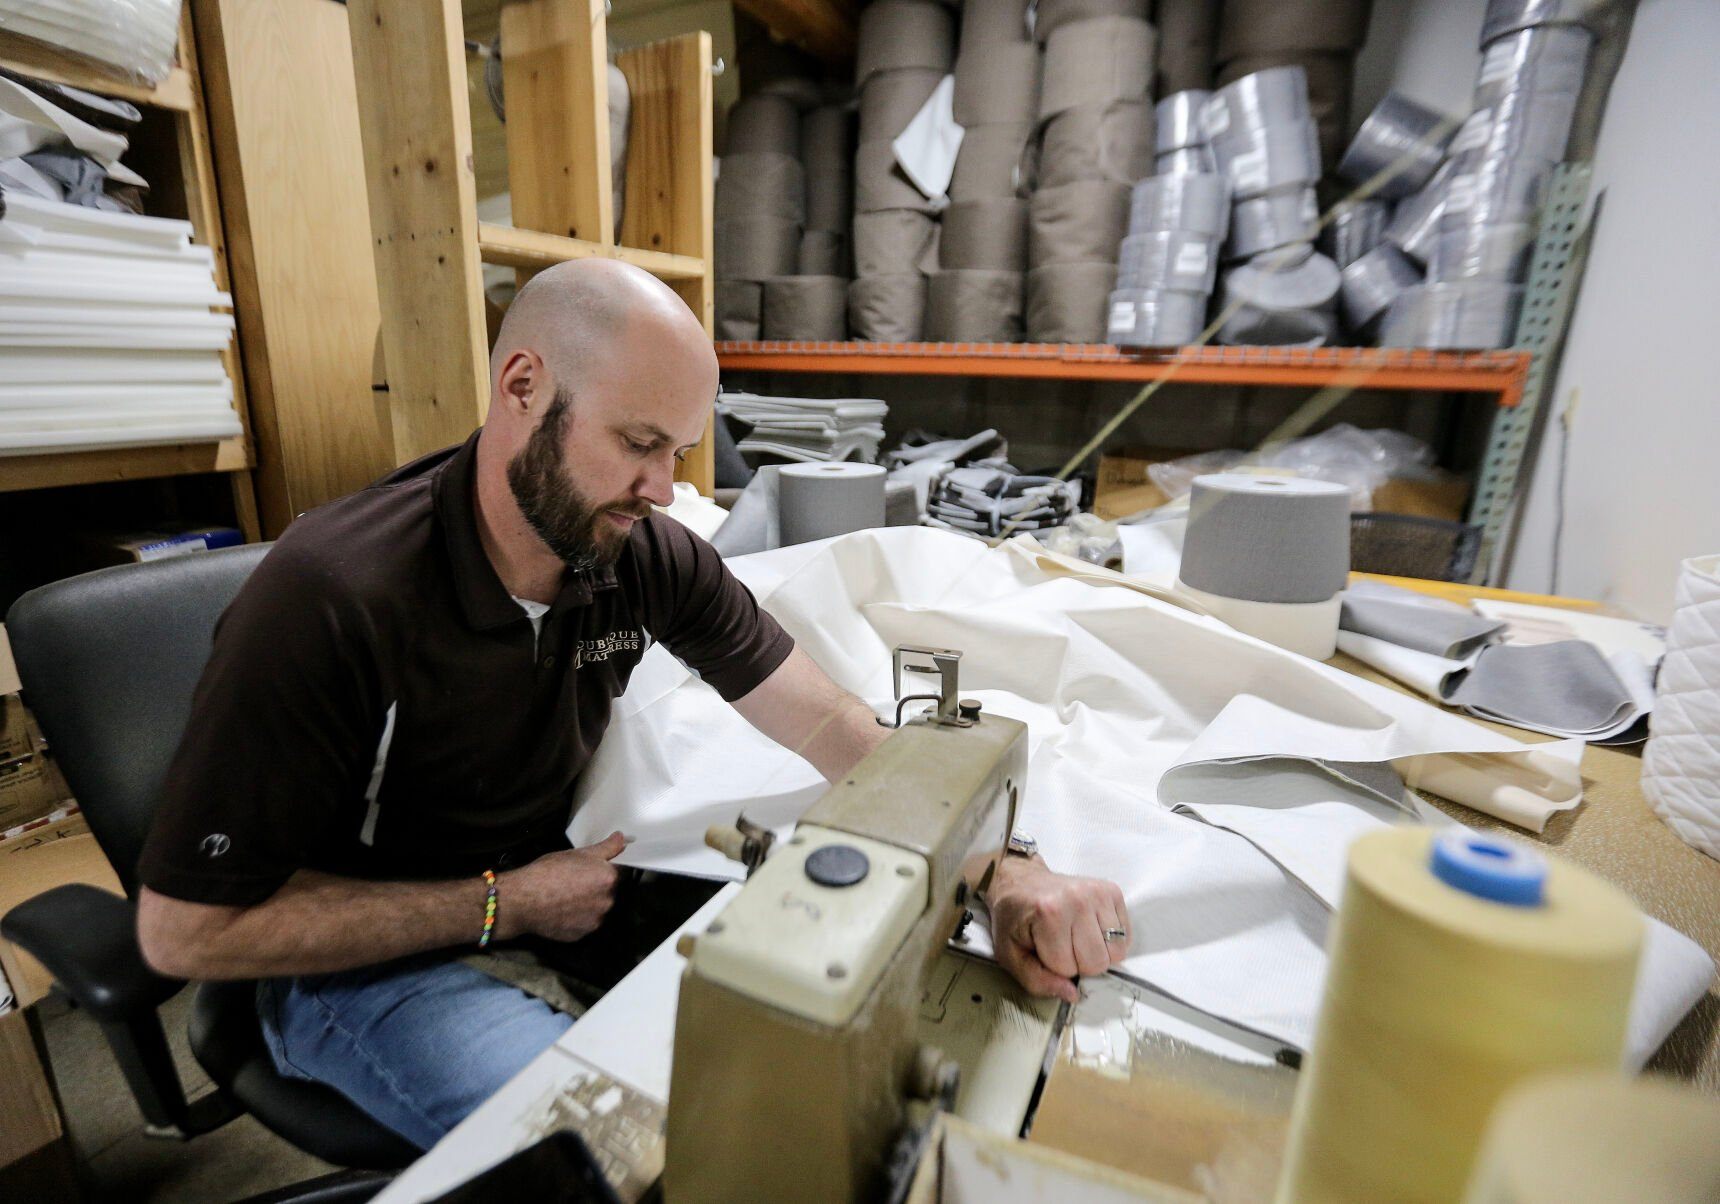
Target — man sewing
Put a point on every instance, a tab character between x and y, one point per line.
377	775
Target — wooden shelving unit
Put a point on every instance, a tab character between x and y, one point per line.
181	95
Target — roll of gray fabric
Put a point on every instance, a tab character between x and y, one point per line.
809	308
895	34
879	183
761	184
1188	41
1097	142
1355	228
997	83
1275	158
1481	251
1189	161
769	124
1276	96
1533	125
1494	188
1066	302
1509	16
824	253
991	162
1178	120
819	501
739	305
755	248
1167	261
1139	317
1267	539
1198	203
889	100
892	242
1246	326
1082	222
1277	219
1373	282
1052	15
1400	144
800	89
830	199
1465	315
1095	62
1415	219
888	309
1329	86
1548	58
970	306
1266	26
1275	283
988	235
993	23
827	139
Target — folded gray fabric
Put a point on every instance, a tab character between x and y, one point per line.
894	241
992	161
811	308
889	100
1565	686
764	123
888	309
1452	634
1111	141
1082	222
761	184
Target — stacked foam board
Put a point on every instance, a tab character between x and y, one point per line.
106	334
804	428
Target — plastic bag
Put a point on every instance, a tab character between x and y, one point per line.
135	37
1360	460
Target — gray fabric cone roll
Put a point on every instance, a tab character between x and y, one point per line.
1452	634
1264	26
1482	251
1191	160
1066	302
964	306
1077	223
770	124
1111	141
903	33
811	308
1275	158
1052	15
893	242
880	184
1355	228
1199	204
739	305
889	100
823	253
1373	282
1466	315
1178	120
1140	317
888	309
1567	686
1548	58
1096	61
761	184
997	83
1274	282
991	162
1264	539
755	248
1188	44
1167	260
1415	219
1508	16
988	235
1259	100
1278	219
1400	143
993	23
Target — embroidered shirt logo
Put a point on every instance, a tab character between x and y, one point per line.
600	649
215	844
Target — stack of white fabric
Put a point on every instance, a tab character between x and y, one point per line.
107	338
807	428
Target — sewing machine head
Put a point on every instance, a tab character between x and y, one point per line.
795	1055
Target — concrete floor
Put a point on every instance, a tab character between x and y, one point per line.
118	1163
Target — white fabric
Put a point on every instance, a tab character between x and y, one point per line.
535	611
1118	688
693	510
926	149
1681	765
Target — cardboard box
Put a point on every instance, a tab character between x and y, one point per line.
29	1118
1442	496
1123	487
30	782
35	861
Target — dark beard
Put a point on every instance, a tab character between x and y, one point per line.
561	515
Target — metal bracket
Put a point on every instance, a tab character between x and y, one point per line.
942	663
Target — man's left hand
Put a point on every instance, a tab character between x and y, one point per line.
1049	928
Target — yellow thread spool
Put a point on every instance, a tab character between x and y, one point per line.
1438	1000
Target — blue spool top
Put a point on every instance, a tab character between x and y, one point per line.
1490	868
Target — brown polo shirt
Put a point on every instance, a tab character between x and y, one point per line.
377	706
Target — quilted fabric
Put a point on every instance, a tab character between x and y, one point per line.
1681	765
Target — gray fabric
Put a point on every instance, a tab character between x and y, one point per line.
1052	15
997	83
1535	125
1177	119
1482	251
1077	223
1509	16
1066	302
990	161
811	308
1465	315
1265	223
1355	228
827	144
889	100
1494	188
879	183
1190	160
1253	542
1096	61
1373	282
1548	58
1197	203
756	248
752	524
1268	159
1268	283
1415	219
888	309
903	33
1149	318
988	235
1566	686
1168	259
738	304
824	253
764	123
1400	145
974	307
1247	326
1257	101
820	501
1264	26
894	241
1188	42
1452	634
1112	141
761	184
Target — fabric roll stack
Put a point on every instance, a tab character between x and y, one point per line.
804	428
905	49
760	210
1168	262
1319	36
1096	141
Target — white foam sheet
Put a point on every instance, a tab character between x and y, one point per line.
1118	689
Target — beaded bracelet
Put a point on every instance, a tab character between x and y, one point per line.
489	908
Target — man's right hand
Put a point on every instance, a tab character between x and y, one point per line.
562	896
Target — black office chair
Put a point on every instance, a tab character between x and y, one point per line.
109	661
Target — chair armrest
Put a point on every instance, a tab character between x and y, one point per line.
87	939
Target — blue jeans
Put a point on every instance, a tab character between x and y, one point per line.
417	1043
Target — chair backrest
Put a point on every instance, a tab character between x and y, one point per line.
109	662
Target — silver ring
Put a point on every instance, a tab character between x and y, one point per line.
1116	934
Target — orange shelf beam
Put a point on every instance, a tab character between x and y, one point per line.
1501	373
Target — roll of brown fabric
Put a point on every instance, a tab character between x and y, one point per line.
1083	222
1188	41
1098	142
986	235
1052	15
889	100
1276	26
738	305
880	184
824	253
764	123
903	33
808	308
997	83
761	184
993	162
993	23
888	309
1066	302
1097	61
756	248
969	306
894	241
